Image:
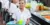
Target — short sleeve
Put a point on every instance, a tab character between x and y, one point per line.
29	14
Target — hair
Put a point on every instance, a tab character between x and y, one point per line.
22	0
11	1
0	5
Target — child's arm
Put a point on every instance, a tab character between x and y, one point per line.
28	18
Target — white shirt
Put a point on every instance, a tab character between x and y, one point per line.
22	15
25	14
13	8
4	3
6	6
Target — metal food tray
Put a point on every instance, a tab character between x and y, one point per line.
38	14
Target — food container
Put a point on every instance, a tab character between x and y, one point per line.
46	16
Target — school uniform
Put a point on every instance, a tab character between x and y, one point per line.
13	8
18	15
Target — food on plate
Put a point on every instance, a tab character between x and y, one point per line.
47	17
45	13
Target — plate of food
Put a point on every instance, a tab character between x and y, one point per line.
45	13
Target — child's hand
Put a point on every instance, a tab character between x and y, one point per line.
28	20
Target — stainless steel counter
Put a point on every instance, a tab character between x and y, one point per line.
38	14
